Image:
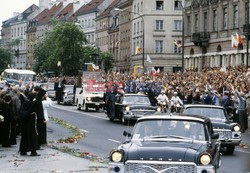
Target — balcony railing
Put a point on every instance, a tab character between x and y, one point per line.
201	38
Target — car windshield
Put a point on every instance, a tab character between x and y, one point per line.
212	113
177	129
69	88
136	100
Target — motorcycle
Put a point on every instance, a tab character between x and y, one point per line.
175	108
163	106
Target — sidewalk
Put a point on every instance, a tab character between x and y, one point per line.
50	161
246	138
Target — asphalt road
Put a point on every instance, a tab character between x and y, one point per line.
103	136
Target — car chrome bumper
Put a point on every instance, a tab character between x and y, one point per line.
208	168
230	142
95	104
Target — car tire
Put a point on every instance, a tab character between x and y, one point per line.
123	120
78	106
230	150
85	107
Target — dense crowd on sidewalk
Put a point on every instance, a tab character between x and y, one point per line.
23	112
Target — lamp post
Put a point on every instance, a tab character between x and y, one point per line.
143	34
182	42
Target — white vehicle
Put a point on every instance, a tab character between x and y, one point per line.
90	95
16	76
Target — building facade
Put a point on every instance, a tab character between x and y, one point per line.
161	27
123	62
209	26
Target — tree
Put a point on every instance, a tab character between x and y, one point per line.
65	43
5	59
107	60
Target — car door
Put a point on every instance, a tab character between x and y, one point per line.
118	106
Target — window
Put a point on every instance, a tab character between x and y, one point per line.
138	8
188	25
158	46
177	46
196	28
215	20
134	8
235	17
178	25
177	5
224	18
141	6
247	10
159	5
134	28
159	25
205	22
138	27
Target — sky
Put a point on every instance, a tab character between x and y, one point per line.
8	7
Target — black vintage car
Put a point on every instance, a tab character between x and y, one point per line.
68	94
132	106
168	144
230	135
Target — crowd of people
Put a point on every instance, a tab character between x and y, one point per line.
23	113
228	87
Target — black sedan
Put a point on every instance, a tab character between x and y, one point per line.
168	144
229	132
133	106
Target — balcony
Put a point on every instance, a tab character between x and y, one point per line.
245	28
201	39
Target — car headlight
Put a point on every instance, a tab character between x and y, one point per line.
237	128
116	156
158	109
127	108
164	103
205	159
88	99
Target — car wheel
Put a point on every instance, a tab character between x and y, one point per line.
230	149
78	106
85	107
123	120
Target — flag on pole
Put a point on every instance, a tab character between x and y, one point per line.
138	50
236	40
177	43
149	59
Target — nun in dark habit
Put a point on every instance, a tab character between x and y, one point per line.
29	112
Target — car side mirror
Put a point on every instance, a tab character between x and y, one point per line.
126	134
215	136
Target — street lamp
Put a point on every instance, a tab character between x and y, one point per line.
143	33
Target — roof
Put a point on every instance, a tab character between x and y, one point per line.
42	15
52	12
109	8
65	11
168	116
202	106
89	7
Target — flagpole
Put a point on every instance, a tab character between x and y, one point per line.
143	33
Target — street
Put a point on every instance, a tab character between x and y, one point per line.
102	136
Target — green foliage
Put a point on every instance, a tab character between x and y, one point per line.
107	60
5	59
67	43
